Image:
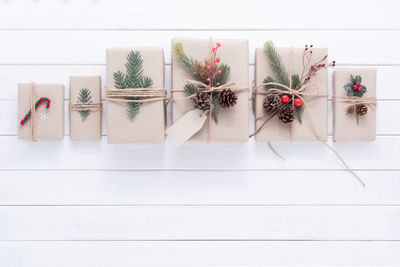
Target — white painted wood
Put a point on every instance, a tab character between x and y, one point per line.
200	223
88	47
198	188
84	190
66	155
11	75
206	253
174	14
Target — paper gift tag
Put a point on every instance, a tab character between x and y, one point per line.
186	126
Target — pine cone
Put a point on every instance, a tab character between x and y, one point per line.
227	98
272	102
202	101
286	114
361	109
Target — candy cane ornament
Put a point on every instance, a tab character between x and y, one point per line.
40	101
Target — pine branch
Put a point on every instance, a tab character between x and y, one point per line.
179	53
190	89
84	97
276	63
216	107
132	79
223	77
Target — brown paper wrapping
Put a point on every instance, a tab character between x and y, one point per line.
317	106
90	128
49	124
233	124
345	126
148	126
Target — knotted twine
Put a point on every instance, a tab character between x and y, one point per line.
299	93
234	86
355	100
85	107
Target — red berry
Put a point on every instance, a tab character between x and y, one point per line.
355	87
359	89
297	102
219	71
218	44
284	98
358	83
217	59
208	67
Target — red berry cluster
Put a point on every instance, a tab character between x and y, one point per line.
357	87
213	67
297	101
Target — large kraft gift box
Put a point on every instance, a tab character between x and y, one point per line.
345	127
48	123
233	123
317	106
148	126
85	128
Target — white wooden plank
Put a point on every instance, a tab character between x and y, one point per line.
66	155
88	47
385	125
198	188
11	75
192	253
199	223
208	15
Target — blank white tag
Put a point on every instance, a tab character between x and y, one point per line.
186	126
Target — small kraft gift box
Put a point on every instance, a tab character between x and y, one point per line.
291	93
85	107
210	90
40	111
135	95
354	104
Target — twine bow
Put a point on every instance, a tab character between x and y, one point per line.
234	86
300	93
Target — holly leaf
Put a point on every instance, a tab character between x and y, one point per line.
358	78
298	111
349	89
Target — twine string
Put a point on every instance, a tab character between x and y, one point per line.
208	89
33	112
301	93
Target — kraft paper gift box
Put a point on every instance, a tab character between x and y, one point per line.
48	123
87	127
316	106
345	127
148	126
233	122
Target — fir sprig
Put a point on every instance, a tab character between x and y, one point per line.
281	75
190	65
132	79
84	97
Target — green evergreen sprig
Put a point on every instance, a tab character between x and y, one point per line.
133	78
84	97
281	76
189	64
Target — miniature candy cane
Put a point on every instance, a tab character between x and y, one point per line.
40	101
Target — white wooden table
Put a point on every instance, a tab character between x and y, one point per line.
92	204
